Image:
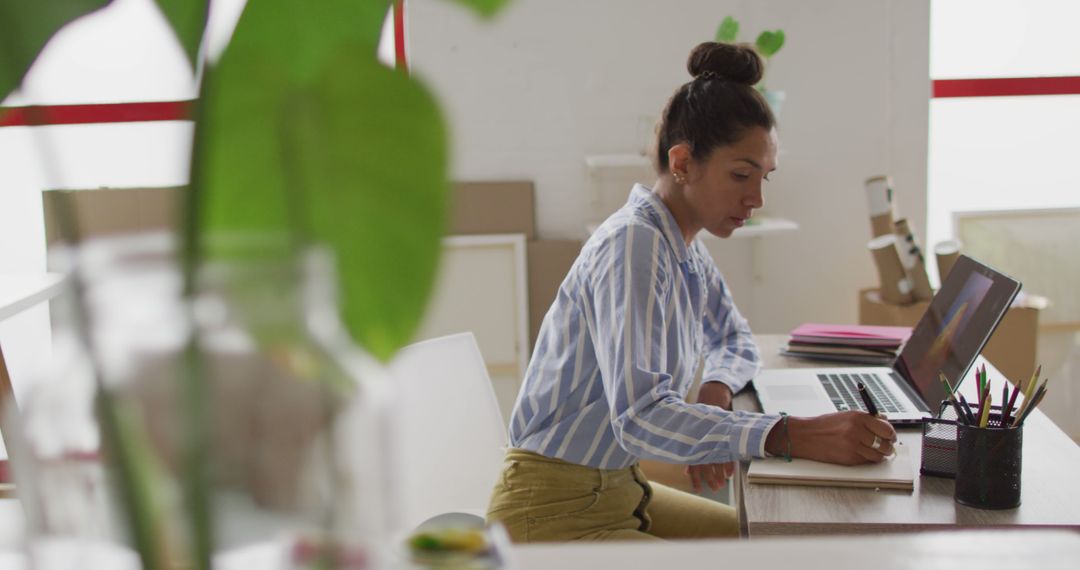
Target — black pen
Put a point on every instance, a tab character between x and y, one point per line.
867	400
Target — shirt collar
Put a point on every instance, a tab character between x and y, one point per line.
657	212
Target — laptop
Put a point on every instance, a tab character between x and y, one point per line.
948	338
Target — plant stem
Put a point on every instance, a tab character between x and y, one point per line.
134	475
135	483
196	400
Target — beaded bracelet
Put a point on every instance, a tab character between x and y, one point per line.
787	437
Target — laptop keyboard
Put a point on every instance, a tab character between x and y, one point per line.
843	390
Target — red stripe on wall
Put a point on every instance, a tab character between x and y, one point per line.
1006	86
181	110
103	113
400	61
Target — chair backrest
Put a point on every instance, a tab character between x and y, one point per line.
450	433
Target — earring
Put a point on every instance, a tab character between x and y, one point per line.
679	178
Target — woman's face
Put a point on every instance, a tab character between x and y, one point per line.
724	190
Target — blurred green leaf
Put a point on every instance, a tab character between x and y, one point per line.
278	48
485	8
372	148
26	26
768	43
334	146
728	30
188	20
298	37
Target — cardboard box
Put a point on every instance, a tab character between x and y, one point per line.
548	262
502	207
1011	348
108	211
475	208
496	207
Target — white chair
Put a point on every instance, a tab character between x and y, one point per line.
450	433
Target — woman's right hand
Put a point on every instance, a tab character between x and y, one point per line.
846	438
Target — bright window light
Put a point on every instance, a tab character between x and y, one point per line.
1002	153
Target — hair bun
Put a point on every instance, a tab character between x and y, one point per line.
738	63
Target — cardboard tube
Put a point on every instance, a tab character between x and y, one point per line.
946	252
895	286
911	257
881	225
879	196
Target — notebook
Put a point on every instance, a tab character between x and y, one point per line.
897	472
947	339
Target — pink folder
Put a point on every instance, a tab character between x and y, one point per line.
862	335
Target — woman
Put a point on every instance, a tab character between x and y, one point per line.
619	348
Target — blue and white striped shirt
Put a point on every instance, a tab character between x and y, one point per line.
620	346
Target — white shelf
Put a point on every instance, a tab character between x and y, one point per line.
595	161
20	291
761	227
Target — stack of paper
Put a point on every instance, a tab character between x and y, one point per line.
863	344
896	472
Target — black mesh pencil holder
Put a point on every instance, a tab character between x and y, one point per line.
984	461
939	440
988	464
939	444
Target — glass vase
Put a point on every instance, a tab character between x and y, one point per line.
185	425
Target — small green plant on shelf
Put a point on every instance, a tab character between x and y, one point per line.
767	43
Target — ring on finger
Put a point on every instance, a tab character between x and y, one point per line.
876	444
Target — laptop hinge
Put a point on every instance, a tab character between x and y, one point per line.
910	392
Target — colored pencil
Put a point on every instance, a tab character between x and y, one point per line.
1029	404
1029	390
1012	400
945	382
968	417
1029	393
1004	398
979	383
987	398
1038	398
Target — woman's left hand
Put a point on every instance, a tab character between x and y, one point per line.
715	475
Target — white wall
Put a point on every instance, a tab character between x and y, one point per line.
550	81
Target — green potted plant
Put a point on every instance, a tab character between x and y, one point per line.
299	132
768	43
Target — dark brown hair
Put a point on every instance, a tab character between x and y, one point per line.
717	106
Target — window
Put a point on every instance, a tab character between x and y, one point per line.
1004	127
997	152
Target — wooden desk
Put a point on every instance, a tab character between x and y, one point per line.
1049	500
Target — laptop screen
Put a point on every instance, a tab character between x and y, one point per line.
955	327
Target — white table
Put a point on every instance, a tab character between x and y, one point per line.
1029	550
1041	550
18	292
1051	461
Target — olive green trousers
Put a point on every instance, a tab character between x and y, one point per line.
540	499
